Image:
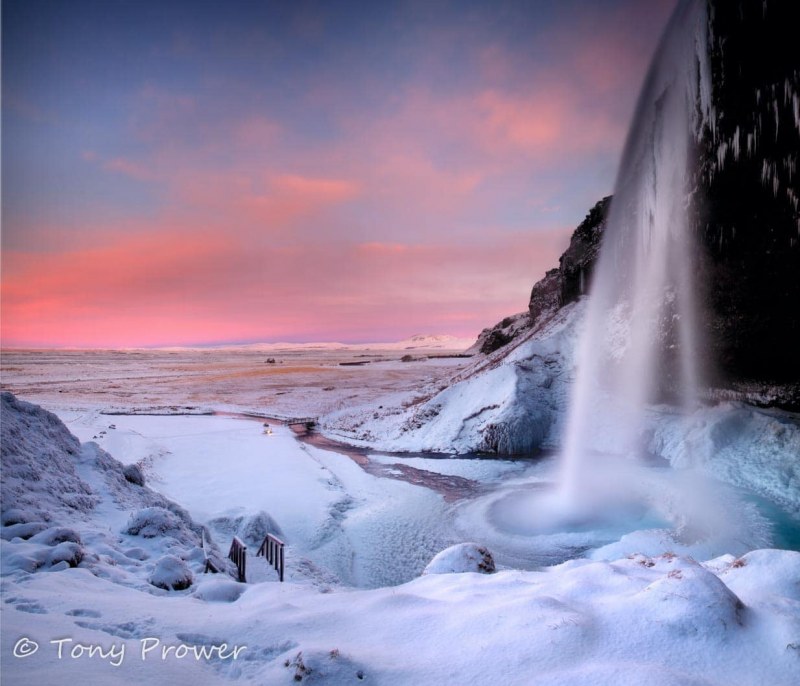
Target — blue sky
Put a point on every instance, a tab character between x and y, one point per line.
197	172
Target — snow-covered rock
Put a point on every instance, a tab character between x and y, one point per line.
171	574
134	474
460	558
158	522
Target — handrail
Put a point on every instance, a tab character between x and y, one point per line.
272	549
238	553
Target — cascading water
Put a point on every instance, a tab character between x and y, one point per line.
638	362
640	335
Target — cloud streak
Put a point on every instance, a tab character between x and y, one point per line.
262	173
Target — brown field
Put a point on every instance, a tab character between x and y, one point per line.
298	382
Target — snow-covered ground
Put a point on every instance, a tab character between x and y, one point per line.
630	602
666	619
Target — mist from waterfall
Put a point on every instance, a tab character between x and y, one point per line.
641	330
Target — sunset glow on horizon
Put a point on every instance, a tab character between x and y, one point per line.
185	173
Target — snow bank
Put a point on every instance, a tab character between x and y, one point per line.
67	505
511	402
39	474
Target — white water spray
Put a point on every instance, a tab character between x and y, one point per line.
643	295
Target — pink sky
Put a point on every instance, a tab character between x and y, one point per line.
231	187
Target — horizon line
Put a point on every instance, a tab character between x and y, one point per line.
228	344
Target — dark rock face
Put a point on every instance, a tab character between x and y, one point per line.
576	265
545	295
748	183
566	284
559	287
501	334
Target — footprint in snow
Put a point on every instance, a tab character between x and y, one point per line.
81	612
33	608
124	630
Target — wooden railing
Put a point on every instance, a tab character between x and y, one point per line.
272	549
238	553
210	565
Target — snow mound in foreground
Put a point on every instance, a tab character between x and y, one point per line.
460	558
68	505
39	465
667	620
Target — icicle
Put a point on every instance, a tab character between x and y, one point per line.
789	165
775	109
703	86
722	151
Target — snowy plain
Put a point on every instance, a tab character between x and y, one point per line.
614	604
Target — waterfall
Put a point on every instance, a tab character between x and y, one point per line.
640	338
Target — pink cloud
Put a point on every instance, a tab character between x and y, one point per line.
314	189
551	122
535	123
247	200
180	284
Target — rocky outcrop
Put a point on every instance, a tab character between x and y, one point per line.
576	265
559	287
571	279
502	333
